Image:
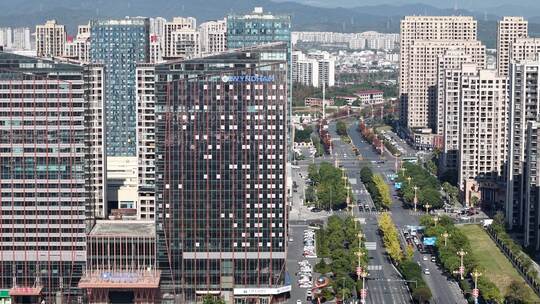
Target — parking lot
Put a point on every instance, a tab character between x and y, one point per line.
300	262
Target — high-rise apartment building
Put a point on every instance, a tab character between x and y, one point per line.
221	152
94	81
509	29
50	39
45	186
313	69
146	142
119	45
524	106
423	73
181	38
213	37
21	38
157	26
156	49
531	194
448	105
414	109
524	49
79	48
483	130
6	37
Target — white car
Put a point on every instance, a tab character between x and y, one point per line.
425	258
426	272
298	302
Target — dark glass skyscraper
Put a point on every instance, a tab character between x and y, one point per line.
220	174
259	28
119	45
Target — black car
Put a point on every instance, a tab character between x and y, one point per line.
316	210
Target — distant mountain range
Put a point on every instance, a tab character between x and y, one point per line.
382	17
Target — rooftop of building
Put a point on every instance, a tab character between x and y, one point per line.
17	63
243	54
124	228
370	92
259	13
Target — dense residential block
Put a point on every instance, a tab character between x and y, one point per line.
415	107
509	30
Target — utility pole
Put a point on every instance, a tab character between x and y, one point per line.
476	292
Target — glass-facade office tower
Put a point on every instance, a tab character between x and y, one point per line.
220	174
119	45
43	185
259	28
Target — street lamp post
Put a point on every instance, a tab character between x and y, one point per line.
445	235
360	271
461	254
427	206
436	220
476	293
409	180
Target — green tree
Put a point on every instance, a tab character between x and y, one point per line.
310	194
341	128
390	237
431	166
303	135
213	300
383	190
410	252
366	175
474	200
430	196
452	192
517	293
489	290
422	294
498	220
313	173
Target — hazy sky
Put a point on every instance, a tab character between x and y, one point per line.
464	4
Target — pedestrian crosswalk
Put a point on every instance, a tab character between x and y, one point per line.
371	245
374	267
372	211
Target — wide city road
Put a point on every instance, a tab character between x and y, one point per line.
444	290
384	283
